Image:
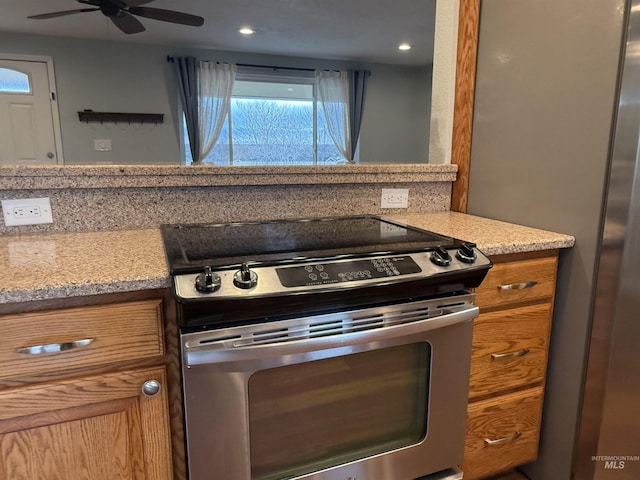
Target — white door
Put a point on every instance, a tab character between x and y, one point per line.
27	134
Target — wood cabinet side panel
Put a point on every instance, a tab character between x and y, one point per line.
174	387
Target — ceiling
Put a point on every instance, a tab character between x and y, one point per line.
362	30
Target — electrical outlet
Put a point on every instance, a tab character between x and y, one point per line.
395	198
26	211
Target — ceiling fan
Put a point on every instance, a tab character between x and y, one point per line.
122	13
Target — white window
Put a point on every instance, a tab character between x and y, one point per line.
13	81
273	120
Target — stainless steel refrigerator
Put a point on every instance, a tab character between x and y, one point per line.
555	146
608	445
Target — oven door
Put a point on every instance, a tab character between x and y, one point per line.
369	394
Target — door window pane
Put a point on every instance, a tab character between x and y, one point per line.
315	415
13	81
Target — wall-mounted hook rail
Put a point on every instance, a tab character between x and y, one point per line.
113	117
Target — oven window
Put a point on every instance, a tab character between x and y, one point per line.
315	415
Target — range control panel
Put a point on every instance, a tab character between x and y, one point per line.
246	281
326	273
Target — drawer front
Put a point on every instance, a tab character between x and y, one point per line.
502	433
58	340
518	281
509	349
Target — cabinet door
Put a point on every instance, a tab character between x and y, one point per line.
93	428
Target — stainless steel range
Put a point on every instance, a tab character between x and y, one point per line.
324	349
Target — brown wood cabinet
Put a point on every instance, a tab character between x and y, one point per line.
508	364
72	404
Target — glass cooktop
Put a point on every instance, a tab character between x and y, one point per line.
190	247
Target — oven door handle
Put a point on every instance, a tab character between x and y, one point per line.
234	348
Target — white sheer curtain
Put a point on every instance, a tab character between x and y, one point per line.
333	94
215	84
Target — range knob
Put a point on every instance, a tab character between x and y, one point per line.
245	277
207	281
466	253
441	257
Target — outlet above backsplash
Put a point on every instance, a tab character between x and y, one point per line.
395	198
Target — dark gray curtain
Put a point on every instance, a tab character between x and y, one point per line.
187	74
358	80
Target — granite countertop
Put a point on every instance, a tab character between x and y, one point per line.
48	266
491	236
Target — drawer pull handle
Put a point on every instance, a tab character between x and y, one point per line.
500	441
518	286
54	347
519	353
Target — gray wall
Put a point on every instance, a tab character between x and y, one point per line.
395	128
546	89
108	77
124	77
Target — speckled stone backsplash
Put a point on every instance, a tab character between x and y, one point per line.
117	198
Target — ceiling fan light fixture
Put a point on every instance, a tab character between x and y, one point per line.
121	13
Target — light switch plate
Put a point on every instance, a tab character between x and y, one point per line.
26	211
102	144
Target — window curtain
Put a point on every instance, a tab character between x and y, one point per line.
214	91
186	69
342	97
205	92
333	94
358	80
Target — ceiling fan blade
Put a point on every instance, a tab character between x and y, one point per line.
167	16
62	14
95	3
127	23
135	3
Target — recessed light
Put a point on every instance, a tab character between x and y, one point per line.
404	46
246	31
